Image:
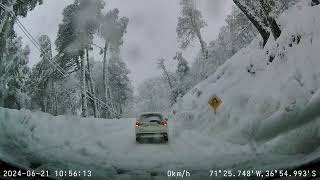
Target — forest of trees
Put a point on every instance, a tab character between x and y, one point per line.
247	20
70	81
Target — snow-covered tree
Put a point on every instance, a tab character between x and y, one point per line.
236	34
183	68
153	95
66	96
183	83
267	9
112	30
167	76
190	24
42	82
261	14
282	5
70	53
121	90
253	11
19	8
74	41
16	72
88	22
7	20
10	46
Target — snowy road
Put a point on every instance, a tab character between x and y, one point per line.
108	148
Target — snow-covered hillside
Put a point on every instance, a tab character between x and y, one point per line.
271	95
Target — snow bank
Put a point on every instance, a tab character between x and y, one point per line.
271	96
40	141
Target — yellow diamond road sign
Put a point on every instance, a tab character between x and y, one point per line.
215	102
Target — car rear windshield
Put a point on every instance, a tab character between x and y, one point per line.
150	117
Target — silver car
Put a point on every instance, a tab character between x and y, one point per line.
151	125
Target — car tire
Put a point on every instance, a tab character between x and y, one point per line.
165	138
137	139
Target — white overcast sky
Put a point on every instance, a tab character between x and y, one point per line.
151	30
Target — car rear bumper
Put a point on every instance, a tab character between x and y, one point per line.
164	133
151	130
152	135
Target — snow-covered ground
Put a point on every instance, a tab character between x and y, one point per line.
107	147
270	97
269	118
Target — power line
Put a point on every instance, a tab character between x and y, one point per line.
55	65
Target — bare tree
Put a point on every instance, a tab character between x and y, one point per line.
162	66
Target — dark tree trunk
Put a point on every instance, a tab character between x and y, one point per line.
55	98
275	29
91	87
106	113
120	110
203	44
170	83
272	23
260	27
83	87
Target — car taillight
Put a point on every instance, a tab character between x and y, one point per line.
164	122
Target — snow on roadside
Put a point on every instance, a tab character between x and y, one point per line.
271	96
29	138
41	141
